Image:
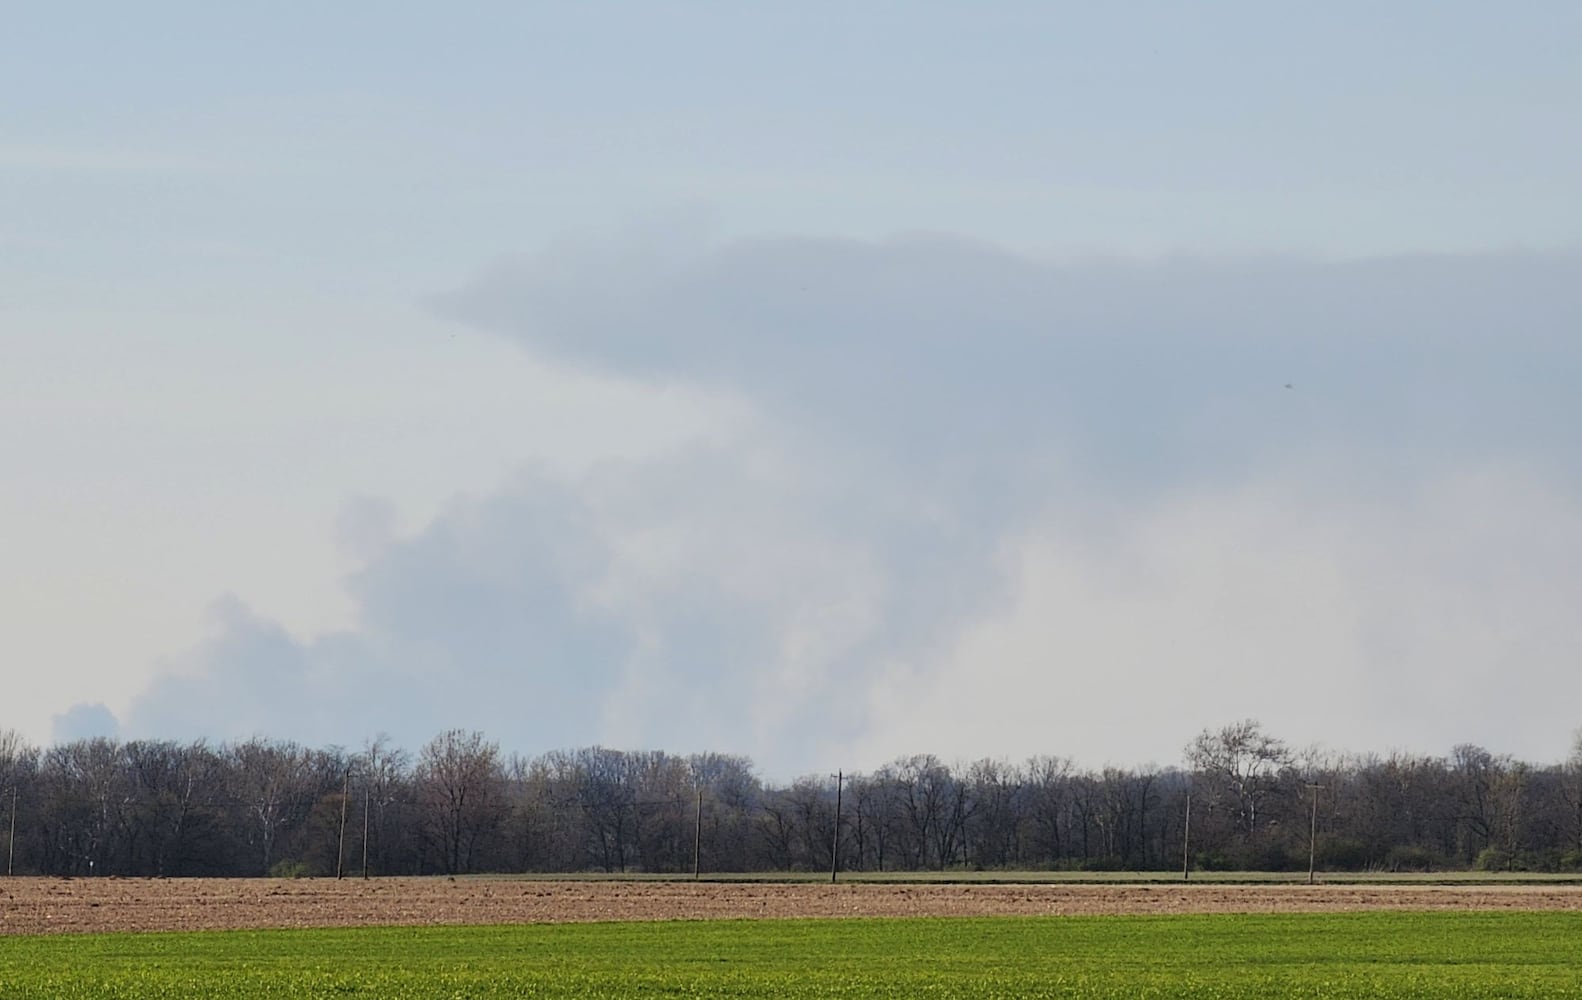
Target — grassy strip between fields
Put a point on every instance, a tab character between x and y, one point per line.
954	876
1441	955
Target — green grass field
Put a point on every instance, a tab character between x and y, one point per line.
1441	955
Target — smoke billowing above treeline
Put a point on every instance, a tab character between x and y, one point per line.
271	807
928	490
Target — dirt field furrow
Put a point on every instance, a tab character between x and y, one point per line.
46	905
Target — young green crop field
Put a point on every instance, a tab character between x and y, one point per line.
1440	955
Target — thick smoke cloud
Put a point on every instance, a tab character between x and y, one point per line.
962	479
941	349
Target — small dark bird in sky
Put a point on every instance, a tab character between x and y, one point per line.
1289	386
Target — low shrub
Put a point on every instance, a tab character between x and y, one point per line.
1342	854
290	869
1492	859
1412	858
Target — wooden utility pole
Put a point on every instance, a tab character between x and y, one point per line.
697	838
340	843
1312	835
1186	841
834	850
366	783
10	846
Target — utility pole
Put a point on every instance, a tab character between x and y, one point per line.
340	842
371	769
10	847
697	838
834	849
1312	835
1186	841
366	783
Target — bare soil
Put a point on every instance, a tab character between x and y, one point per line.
51	905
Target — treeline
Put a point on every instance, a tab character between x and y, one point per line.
271	807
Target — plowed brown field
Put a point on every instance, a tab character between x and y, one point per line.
46	905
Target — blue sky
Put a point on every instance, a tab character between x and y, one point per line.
823	382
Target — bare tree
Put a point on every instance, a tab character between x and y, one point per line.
276	782
18	768
84	817
875	818
1572	785
1049	794
995	826
930	811
730	795
460	791
664	822
811	800
777	829
607	797
175	807
1488	792
1244	760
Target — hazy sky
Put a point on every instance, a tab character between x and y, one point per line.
821	382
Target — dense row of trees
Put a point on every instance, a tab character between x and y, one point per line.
262	806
